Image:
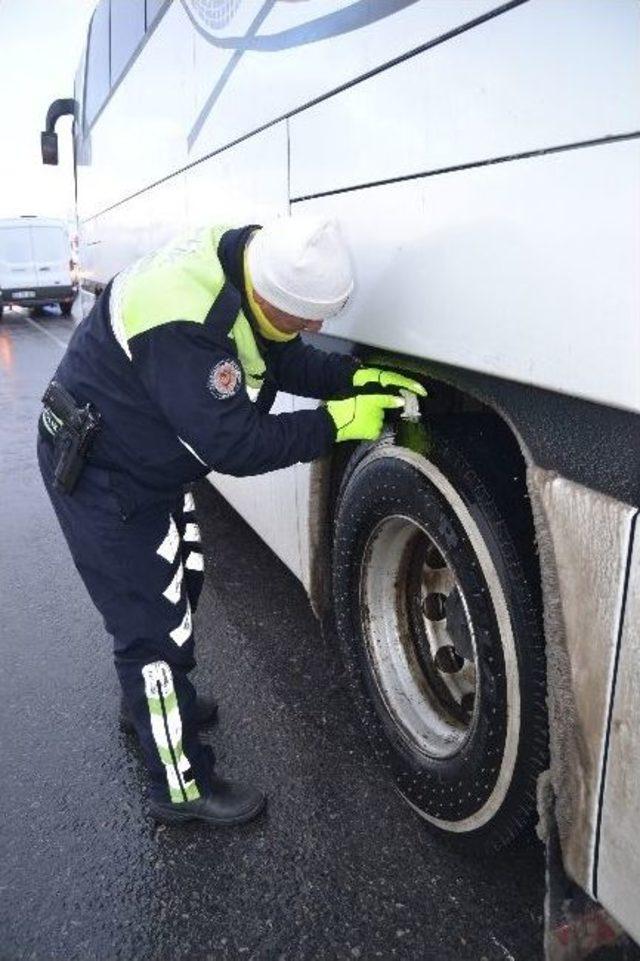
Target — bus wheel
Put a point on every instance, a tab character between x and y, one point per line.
437	604
65	307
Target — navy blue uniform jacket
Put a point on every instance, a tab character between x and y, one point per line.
162	426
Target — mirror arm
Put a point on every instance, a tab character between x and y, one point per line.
49	137
59	108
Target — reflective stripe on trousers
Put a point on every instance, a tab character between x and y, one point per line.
145	578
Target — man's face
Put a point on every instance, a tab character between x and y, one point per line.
286	323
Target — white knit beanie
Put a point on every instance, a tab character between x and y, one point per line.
301	265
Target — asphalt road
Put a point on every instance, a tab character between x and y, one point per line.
338	869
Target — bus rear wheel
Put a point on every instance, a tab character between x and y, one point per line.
437	607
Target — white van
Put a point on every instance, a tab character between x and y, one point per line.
35	263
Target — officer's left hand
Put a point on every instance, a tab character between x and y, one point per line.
387	379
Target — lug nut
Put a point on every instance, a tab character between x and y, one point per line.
433	606
447	660
468	703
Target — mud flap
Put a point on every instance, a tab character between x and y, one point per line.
575	926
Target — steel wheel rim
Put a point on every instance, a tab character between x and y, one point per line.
419	697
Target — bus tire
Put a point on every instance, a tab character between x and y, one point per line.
438	611
65	307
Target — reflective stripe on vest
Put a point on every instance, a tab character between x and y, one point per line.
179	282
248	354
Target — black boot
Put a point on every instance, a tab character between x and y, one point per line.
206	713
226	803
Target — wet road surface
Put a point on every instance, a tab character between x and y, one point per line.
338	869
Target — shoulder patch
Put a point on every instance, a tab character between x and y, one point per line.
225	379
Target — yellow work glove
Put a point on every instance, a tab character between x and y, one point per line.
386	379
361	417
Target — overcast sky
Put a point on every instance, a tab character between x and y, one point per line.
40	42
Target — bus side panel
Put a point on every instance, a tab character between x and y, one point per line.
88	253
116	238
298	65
123	235
514	268
248	184
543	75
507	269
268	502
619	856
168	211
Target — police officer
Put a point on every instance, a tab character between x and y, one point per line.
164	360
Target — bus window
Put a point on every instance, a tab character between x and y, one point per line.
127	30
98	82
153	8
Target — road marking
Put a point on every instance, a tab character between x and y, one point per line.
47	333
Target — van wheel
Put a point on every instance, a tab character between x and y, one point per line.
65	307
438	611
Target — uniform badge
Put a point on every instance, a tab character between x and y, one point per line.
225	379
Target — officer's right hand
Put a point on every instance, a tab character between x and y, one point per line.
361	417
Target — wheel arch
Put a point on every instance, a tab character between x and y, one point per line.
449	392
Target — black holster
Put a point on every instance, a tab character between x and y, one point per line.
73	430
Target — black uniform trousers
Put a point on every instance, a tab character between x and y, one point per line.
144	575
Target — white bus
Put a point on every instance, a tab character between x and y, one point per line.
484	161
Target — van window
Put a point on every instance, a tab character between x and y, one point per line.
15	247
127	30
49	243
98	83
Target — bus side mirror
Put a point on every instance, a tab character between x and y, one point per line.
49	137
49	147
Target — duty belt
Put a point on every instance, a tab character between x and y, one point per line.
71	429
